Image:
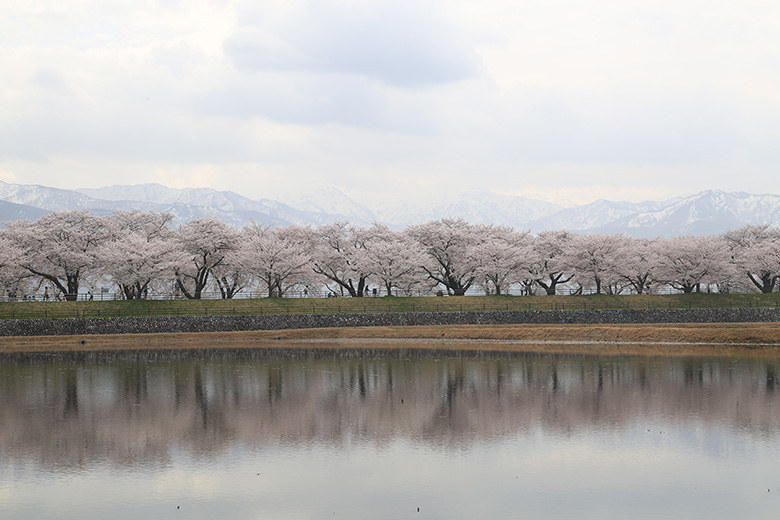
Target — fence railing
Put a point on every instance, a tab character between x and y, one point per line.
304	293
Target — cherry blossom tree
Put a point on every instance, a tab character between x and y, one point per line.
61	247
639	264
448	244
755	250
149	224
229	277
140	251
279	258
204	244
597	258
137	250
12	276
393	257
688	262
502	257
340	257
550	265
136	263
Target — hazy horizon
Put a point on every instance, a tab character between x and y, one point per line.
455	194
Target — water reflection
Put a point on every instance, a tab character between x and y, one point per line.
398	426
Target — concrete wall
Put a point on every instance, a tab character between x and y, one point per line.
44	327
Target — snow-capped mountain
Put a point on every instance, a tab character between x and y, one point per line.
706	212
477	207
595	215
332	204
42	197
187	203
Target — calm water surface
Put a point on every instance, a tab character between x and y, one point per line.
311	435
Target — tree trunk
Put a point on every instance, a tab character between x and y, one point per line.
358	292
555	279
200	280
766	283
227	289
73	287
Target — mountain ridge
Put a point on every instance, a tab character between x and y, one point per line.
707	212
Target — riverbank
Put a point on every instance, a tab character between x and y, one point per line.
645	339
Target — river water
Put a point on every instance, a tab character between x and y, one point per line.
308	434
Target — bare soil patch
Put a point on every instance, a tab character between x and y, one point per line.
656	339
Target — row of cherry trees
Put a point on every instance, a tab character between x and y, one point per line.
138	252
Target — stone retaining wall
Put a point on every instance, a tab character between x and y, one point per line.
141	325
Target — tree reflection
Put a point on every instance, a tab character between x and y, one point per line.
771	378
131	412
71	408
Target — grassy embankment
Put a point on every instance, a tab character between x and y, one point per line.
90	309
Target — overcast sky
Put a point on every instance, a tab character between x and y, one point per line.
558	99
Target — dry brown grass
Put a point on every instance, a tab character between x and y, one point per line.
750	333
655	339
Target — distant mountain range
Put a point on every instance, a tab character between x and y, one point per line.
709	212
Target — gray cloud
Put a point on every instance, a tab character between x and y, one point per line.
640	127
317	100
402	44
